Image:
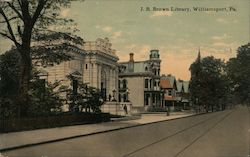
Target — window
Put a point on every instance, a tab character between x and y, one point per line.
86	66
124	83
146	97
170	92
153	97
146	83
146	68
154	83
120	98
119	84
124	97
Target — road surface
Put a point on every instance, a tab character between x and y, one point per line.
219	134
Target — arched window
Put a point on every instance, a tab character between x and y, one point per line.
146	68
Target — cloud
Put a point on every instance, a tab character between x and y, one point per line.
107	29
226	21
223	37
161	13
221	44
130	46
141	52
65	12
116	35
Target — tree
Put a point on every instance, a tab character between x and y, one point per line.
27	24
209	83
9	73
238	70
44	97
195	81
82	97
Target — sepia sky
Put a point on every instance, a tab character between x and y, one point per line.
177	34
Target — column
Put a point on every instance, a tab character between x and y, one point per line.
150	99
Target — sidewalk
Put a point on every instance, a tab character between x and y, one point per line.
28	138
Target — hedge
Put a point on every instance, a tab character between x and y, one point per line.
31	123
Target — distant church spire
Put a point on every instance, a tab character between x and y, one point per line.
199	55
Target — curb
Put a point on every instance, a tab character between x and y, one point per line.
93	133
125	118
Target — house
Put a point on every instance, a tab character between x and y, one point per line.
183	94
175	92
139	82
168	87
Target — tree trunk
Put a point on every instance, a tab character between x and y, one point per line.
24	81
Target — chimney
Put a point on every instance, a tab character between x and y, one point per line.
131	57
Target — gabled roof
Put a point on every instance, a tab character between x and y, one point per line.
165	84
186	86
171	79
179	86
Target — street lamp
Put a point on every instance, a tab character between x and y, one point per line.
196	102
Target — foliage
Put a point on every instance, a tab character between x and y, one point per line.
86	98
209	82
9	69
238	70
45	98
33	28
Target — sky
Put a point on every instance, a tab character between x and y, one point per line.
177	33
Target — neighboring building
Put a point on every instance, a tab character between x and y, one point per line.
184	94
139	82
94	63
176	92
169	88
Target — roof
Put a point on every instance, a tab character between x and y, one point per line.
179	85
139	67
186	86
171	79
165	84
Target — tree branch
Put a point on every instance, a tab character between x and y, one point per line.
39	8
9	28
15	10
6	35
13	18
24	4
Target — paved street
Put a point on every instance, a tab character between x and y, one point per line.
220	134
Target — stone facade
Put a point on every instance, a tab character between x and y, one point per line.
100	66
94	63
